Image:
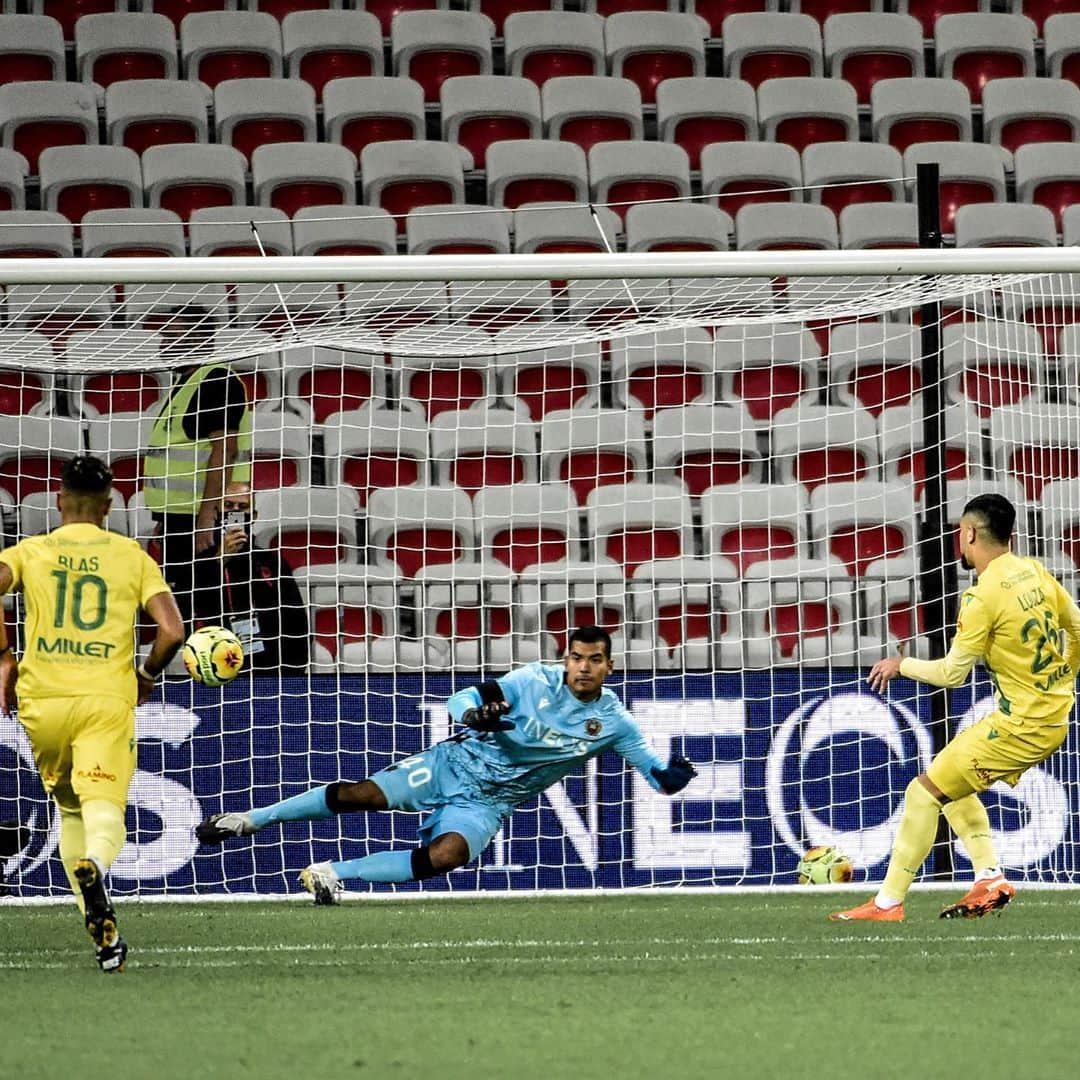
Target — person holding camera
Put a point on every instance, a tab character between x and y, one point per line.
259	595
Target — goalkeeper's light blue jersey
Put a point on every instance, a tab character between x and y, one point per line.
553	734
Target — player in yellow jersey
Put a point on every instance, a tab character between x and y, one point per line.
1012	620
77	685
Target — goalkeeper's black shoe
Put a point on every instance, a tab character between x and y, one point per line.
111	958
218	828
100	916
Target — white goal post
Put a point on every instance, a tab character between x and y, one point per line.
722	458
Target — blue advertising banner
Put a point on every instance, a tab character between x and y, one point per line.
787	760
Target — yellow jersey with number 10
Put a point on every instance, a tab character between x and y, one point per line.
82	587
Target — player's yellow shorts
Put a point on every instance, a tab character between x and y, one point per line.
988	751
84	747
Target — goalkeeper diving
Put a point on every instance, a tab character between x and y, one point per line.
523	733
1012	620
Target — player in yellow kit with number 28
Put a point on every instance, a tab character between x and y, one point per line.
1012	620
77	682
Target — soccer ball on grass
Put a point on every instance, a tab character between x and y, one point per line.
824	866
213	655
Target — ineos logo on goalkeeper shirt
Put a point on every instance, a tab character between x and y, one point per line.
551	737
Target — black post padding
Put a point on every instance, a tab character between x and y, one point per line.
937	566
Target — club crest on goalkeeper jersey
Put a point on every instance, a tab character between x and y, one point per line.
82	587
553	734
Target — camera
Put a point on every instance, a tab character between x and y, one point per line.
235	519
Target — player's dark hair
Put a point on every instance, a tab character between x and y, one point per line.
86	475
995	513
590	635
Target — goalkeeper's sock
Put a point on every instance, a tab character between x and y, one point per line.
914	839
105	831
382	866
967	817
72	849
311	806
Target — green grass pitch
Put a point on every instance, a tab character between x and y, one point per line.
679	986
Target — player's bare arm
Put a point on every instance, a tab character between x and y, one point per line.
223	453
9	668
170	636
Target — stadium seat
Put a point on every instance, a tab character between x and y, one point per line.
840	174
648	47
766	45
457	229
606	8
31	48
401	175
908	111
976	49
861	522
741	174
990	365
819	444
260	372
527	524
343	230
25	392
903	450
624	173
417	527
249	113
389	306
132	232
564	227
636	523
433	46
959	492
547	380
874	365
990	225
226	231
37	115
483	448
134	392
320	381
68	12
587	110
879	225
359	111
750	523
1036	444
58	310
188	314
865	47
540	45
113	47
216	46
890	593
1053	307
121	440
319	46
34	451
38	513
498	11
76	179
928	11
176	10
478	110
786	226
372	447
185	178
970	173
804	111
1048	174
521	171
140	113
694	112
677	226
494	305
705	446
290	176
714	12
445	381
13	170
1060	508
1062	44
662	370
1020	111
590	448
767	368
308	525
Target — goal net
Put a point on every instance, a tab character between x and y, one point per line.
747	467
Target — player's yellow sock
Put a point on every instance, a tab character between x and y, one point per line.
967	817
72	848
105	831
914	839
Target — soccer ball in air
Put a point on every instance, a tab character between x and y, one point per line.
213	655
824	866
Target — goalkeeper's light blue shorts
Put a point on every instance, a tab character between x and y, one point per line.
427	784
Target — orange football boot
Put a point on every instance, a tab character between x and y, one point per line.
990	894
869	912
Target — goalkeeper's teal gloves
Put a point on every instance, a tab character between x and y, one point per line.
488	717
679	772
